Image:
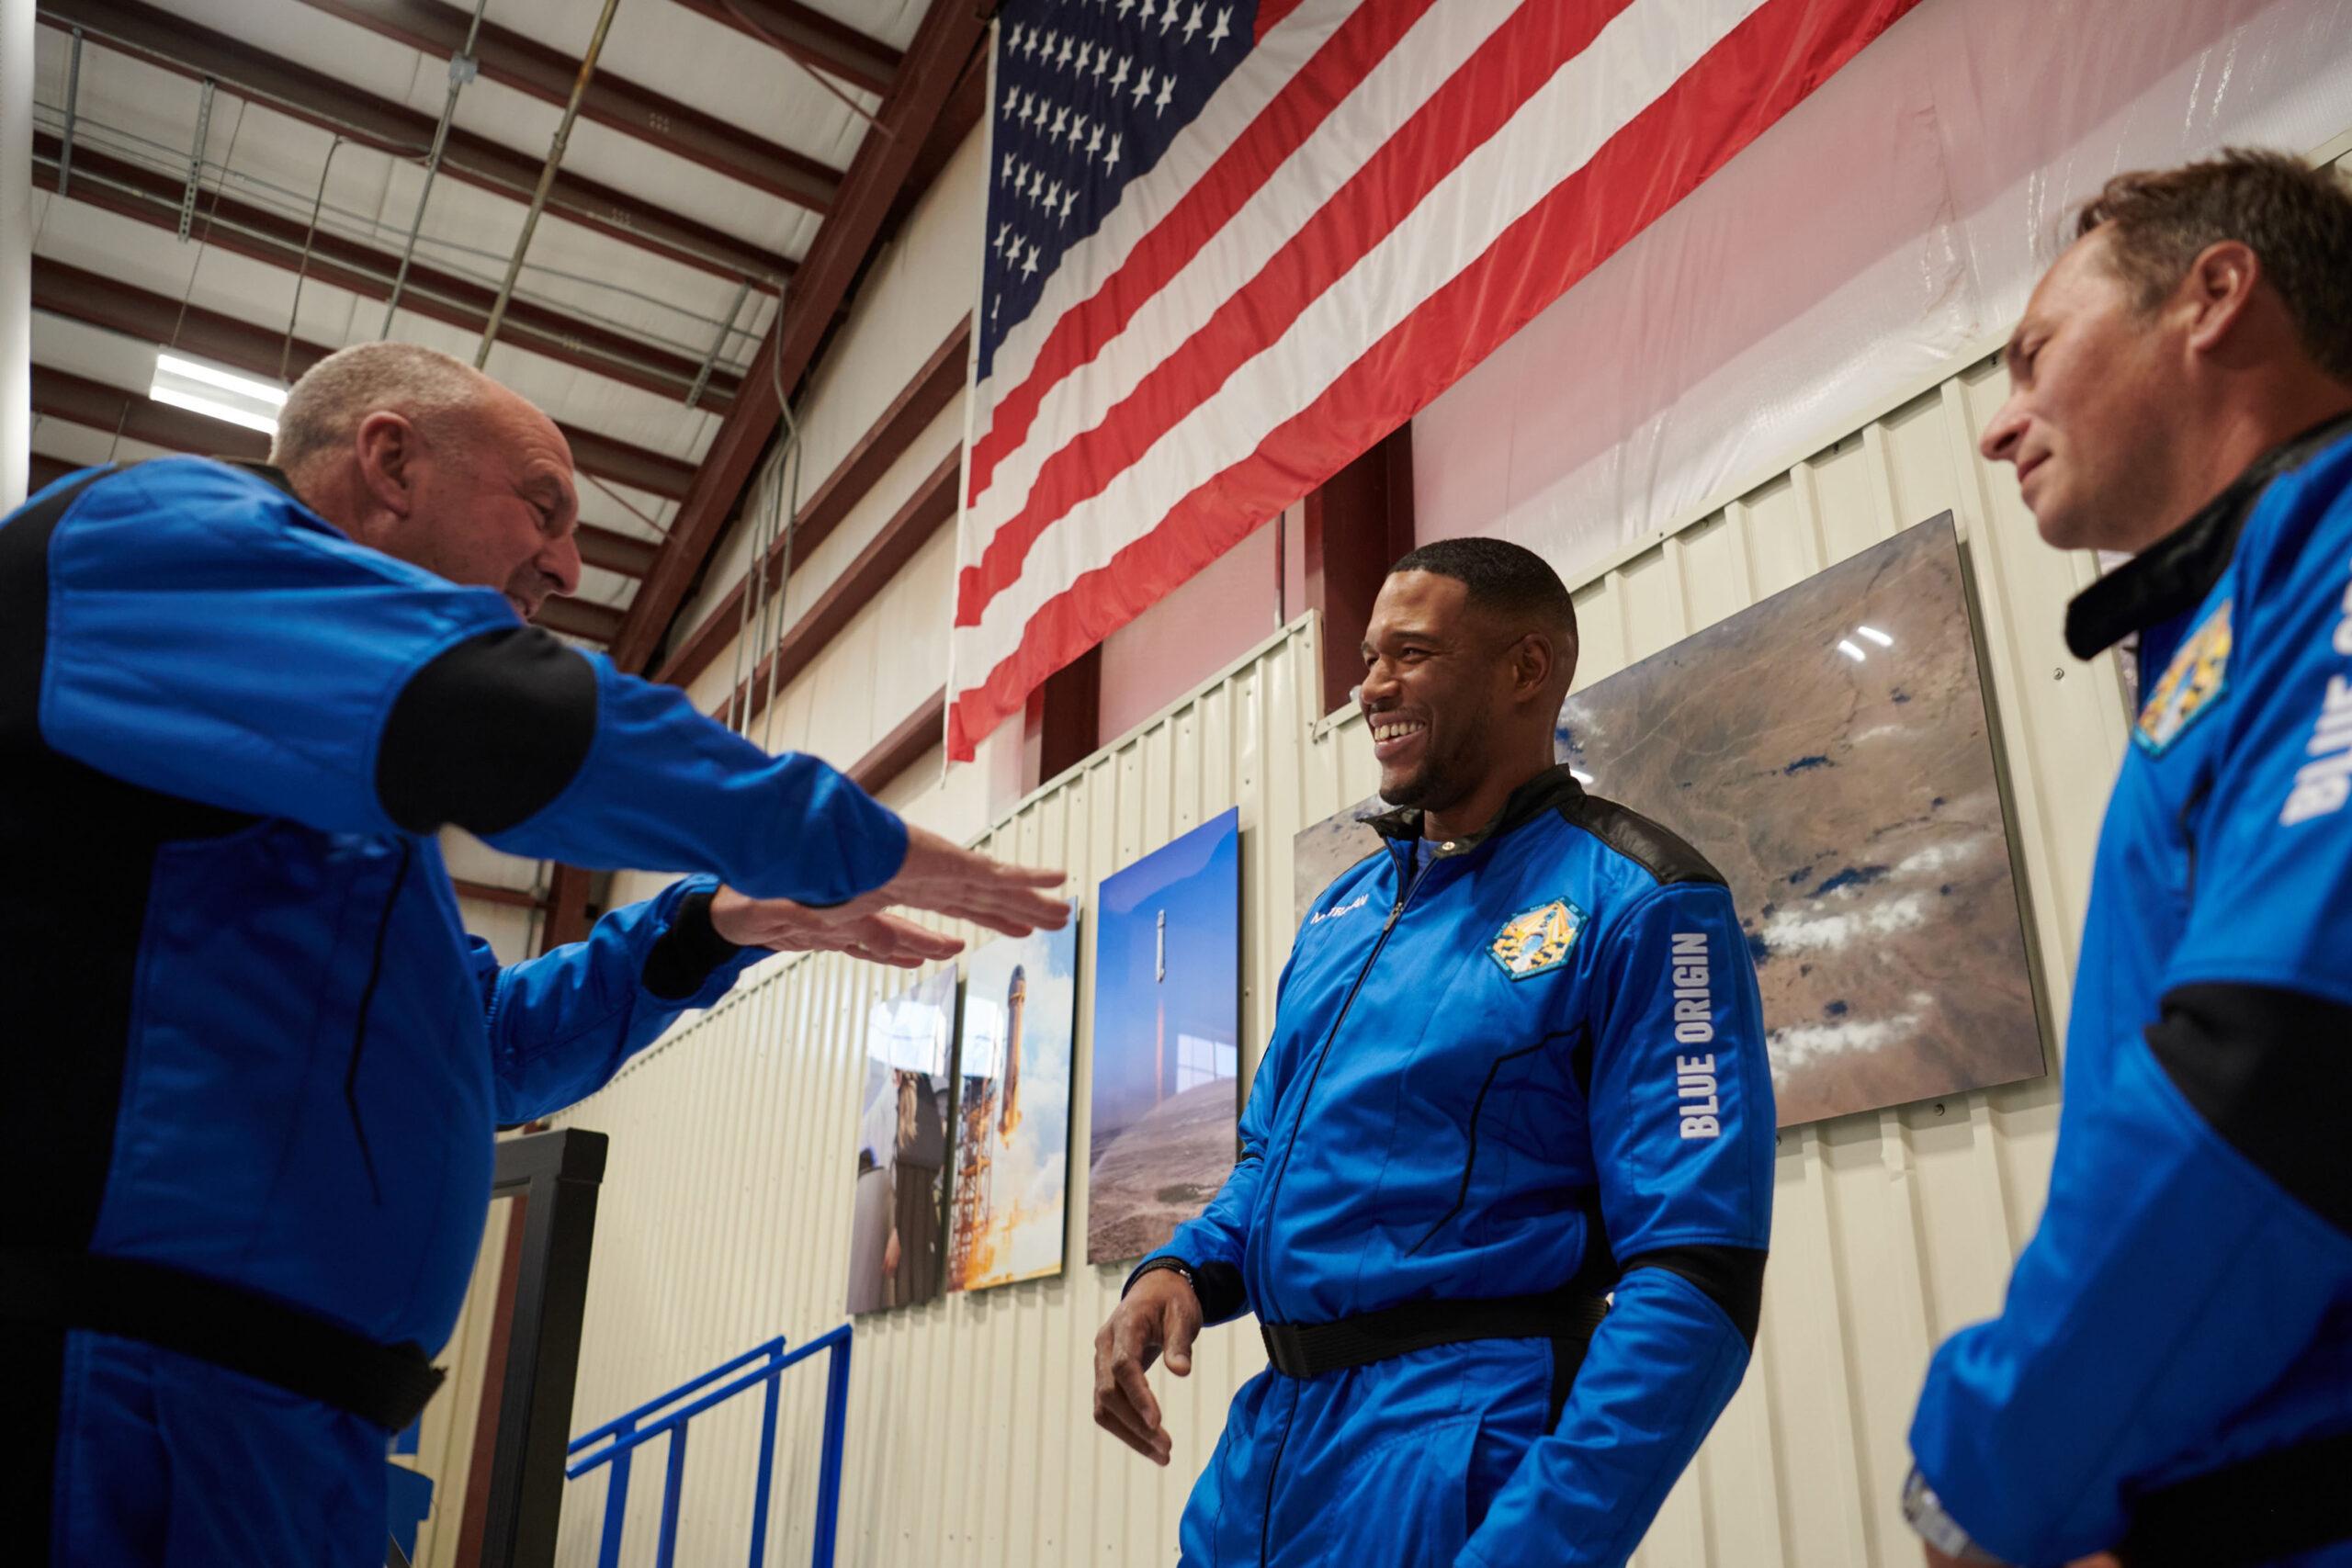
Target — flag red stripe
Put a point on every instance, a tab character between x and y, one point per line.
1472	106
1304	103
1271	12
1763	68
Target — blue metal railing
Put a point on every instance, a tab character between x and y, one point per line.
641	1427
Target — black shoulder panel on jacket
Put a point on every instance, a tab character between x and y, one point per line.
1662	854
2255	1062
1733	1278
488	733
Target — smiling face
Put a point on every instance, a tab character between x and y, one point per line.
1437	690
2096	387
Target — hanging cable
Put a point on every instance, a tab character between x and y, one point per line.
463	70
546	181
309	238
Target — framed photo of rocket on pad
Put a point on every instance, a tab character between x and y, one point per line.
1167	1057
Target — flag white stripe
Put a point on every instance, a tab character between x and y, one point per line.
1387	97
1255	82
1644	50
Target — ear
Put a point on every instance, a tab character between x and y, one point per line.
1532	662
2218	292
390	451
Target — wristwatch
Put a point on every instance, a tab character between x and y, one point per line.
1173	1265
1924	1512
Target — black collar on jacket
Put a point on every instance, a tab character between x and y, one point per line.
2173	575
1553	789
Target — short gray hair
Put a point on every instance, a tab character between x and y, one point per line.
323	409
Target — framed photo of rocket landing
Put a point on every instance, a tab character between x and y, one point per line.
1830	751
1006	1211
1167	1057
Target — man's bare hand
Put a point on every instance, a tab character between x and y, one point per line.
784	926
964	885
1160	1314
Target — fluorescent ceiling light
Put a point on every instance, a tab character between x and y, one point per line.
1846	646
1876	636
217	393
1580	775
226	381
207	406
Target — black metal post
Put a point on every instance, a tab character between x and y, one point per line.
557	1174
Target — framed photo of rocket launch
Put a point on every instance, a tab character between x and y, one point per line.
1167	1040
1006	1210
898	1238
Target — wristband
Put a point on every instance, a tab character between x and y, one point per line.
1924	1512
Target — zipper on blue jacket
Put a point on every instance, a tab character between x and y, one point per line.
1274	1470
1307	1094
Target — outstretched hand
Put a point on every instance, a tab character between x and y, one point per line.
964	885
783	926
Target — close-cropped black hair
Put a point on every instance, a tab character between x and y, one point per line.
1513	584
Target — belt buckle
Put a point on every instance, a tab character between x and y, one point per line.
1285	1348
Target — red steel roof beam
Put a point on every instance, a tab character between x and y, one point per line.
153	197
183	47
943	44
514	60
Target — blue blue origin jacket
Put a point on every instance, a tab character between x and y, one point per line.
1498	1063
2186	1300
248	1037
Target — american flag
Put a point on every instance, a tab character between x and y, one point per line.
1232	244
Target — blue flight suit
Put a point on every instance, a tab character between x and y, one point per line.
249	1038
2186	1306
1499	1064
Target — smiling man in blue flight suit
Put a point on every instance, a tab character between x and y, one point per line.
2171	1376
1518	1063
253	1061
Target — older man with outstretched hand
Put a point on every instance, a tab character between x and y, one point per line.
255	1062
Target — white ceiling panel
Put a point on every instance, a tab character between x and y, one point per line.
706	65
303	36
84	447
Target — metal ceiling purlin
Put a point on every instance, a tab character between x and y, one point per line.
318	99
528	66
951	30
812	36
152	198
158	319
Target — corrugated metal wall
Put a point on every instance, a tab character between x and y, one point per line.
726	1208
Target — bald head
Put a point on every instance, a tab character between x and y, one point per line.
324	409
424	457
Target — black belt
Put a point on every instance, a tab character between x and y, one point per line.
1310	1349
228	1326
2273	1505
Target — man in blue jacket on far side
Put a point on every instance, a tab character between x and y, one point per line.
1518	1066
2170	1377
253	1061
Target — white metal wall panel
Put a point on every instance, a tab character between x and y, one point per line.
726	1208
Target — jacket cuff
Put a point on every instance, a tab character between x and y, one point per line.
1218	1285
685	957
